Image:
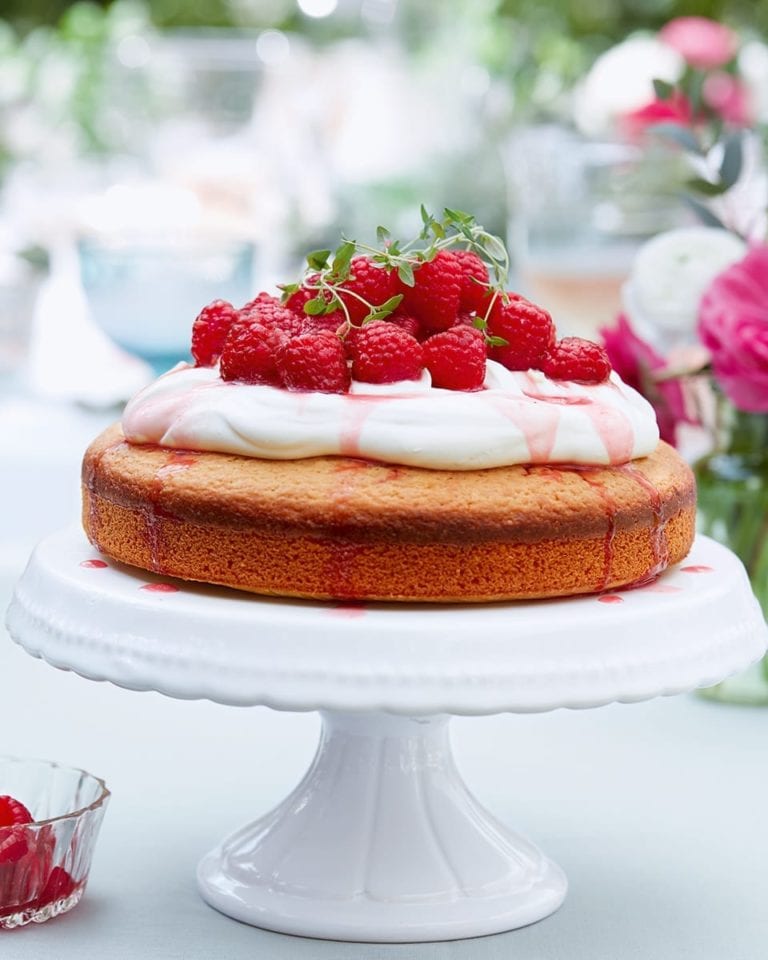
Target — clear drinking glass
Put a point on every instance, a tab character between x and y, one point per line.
579	210
44	865
145	295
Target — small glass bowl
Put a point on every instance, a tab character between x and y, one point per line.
44	865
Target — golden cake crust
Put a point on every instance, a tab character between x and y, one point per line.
335	527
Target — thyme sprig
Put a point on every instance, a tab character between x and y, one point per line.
328	271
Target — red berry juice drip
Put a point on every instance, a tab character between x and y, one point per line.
659	542
357	409
610	510
177	460
537	423
93	564
160	588
340	566
696	568
615	430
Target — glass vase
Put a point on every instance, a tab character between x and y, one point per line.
733	509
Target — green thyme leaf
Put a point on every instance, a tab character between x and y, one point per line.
479	323
405	273
458	217
498	342
383	235
342	259
318	259
315	307
384	309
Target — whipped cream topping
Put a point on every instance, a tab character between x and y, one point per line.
519	417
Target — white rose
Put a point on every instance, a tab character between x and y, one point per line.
668	278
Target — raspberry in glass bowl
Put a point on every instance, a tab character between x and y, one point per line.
49	821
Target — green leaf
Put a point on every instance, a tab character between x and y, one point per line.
288	290
678	134
704	213
426	216
705	187
318	259
458	216
498	342
494	246
663	89
405	273
733	158
342	259
438	229
479	323
384	309
315	307
383	235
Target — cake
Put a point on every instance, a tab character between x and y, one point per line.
398	427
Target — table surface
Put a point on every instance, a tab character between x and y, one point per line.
656	811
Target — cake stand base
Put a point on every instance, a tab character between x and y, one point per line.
381	841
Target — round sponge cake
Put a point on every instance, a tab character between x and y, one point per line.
342	528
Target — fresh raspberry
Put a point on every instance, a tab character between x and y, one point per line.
406	322
330	322
434	298
456	358
527	328
374	284
13	845
297	300
384	353
250	353
13	813
209	331
269	312
59	884
259	300
465	320
474	282
314	361
574	358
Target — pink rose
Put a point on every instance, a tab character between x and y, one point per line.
733	325
728	97
676	109
636	361
701	42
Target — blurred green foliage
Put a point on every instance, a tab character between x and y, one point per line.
597	22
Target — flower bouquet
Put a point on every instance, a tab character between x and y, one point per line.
693	336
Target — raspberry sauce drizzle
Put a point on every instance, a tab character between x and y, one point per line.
697	568
93	564
610	510
537	423
178	460
159	588
659	541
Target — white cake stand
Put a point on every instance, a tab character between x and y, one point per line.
382	841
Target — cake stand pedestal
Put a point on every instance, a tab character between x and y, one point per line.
382	841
